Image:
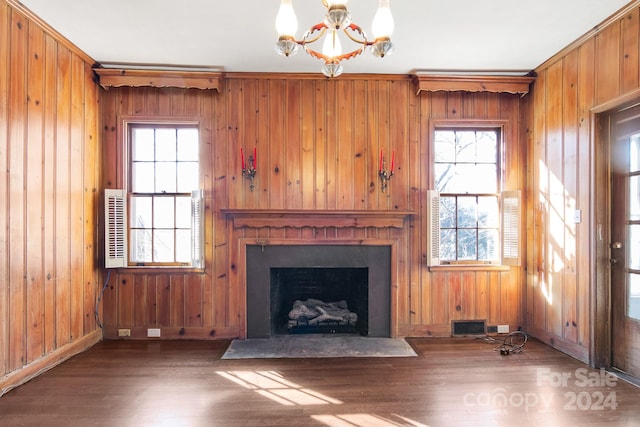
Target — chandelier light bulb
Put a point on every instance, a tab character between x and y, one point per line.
383	24
331	47
286	21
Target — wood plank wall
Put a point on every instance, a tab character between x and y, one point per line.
48	193
600	68
317	143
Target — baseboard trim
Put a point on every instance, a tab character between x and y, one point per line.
38	367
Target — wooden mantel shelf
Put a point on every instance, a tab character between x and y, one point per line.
306	218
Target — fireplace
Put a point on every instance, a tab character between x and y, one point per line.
357	277
319	300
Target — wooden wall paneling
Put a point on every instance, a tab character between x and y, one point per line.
332	99
509	297
439	108
440	297
177	101
454	105
415	159
218	264
308	163
482	302
76	196
372	145
468	290
141	300
320	131
278	111
247	134
16	202
239	192
34	189
514	156
570	180
263	137
152	101
401	92
537	303
208	180
91	208
126	302
163	300
5	27
165	100
233	288
362	169
493	105
111	178
192	102
455	296
586	98
177	300
293	169
555	199
608	64
630	56
424	170
380	136
193	295
344	156
401	286
495	297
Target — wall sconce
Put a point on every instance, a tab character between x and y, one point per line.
384	174
249	172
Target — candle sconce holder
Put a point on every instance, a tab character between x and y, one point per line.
385	176
250	173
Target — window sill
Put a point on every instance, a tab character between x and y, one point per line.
160	270
469	267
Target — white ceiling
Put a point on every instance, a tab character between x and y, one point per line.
239	35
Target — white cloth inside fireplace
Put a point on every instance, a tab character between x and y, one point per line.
315	312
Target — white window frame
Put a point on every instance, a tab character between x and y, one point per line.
510	206
116	209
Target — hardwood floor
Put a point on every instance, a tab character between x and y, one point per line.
453	382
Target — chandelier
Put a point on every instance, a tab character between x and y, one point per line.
337	20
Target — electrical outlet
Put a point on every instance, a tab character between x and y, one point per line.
153	332
124	332
503	329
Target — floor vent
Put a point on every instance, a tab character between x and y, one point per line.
468	327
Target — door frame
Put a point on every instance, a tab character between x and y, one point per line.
600	349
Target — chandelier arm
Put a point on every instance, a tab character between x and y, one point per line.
334	59
321	29
357	30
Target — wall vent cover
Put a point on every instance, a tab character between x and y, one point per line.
468	327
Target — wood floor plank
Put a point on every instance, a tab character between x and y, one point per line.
452	382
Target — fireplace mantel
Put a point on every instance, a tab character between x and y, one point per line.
306	218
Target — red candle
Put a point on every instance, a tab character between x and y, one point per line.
393	158
380	164
242	157
254	157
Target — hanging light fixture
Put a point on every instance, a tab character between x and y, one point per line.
336	21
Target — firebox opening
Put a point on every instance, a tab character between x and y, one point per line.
319	300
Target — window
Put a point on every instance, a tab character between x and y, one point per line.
466	217
159	217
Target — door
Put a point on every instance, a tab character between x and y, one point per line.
625	241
